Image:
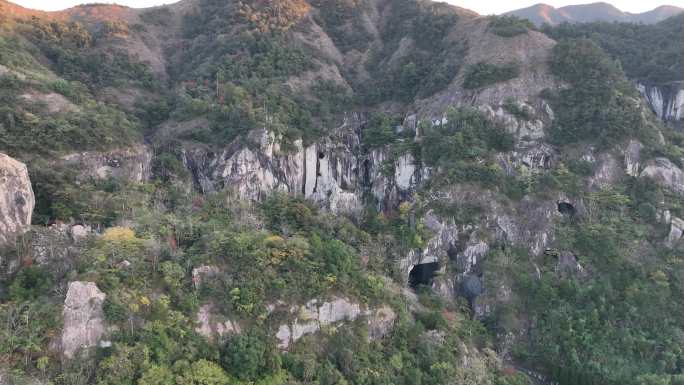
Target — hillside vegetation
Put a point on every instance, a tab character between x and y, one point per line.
515	140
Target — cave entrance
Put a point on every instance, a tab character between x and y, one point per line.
566	208
423	274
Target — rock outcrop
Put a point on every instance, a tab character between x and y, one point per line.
665	173
314	315
667	101
334	172
84	323
130	164
633	158
210	324
16	199
202	273
676	231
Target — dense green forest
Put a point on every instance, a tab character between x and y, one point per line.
650	53
238	67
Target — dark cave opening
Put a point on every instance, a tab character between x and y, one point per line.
321	155
566	208
422	274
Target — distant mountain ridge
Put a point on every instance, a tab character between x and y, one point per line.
585	13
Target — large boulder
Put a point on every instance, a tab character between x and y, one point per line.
16	199
84	323
665	173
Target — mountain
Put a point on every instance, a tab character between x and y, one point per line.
585	13
337	192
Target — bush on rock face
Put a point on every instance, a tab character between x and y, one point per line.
484	74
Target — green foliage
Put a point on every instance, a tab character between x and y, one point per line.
510	26
484	74
114	311
173	274
111	28
574	337
651	53
204	372
250	357
157	16
466	135
380	131
428	68
521	111
30	283
66	46
337	16
599	106
27	328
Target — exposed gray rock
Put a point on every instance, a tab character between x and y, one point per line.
337	310
535	159
381	322
130	164
633	158
665	173
16	199
608	172
55	246
530	226
83	318
525	130
334	172
471	255
54	102
314	315
446	235
80	232
568	264
667	101
676	231
211	324
202	273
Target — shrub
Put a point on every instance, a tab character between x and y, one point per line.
249	357
114	312
379	131
484	74
509	26
521	111
30	283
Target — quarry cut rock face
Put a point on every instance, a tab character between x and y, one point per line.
16	199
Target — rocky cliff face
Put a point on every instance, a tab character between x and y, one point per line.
336	172
667	101
132	163
16	199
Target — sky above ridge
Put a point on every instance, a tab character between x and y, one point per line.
484	7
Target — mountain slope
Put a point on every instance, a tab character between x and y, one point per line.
333	192
541	13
